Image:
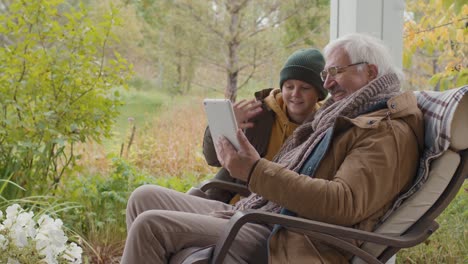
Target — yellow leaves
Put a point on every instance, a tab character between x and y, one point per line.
450	66
420	5
407	60
460	38
444	33
435	42
450	52
462	78
431	36
438	4
464	11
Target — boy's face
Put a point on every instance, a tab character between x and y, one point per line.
300	99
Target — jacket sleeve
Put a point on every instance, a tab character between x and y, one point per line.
209	150
375	169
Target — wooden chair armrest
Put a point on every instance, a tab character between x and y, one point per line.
327	233
229	186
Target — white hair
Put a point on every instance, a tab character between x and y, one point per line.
365	48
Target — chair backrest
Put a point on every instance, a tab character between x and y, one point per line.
445	177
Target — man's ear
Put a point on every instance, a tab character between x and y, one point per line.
373	71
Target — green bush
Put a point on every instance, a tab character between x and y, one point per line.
99	217
57	85
102	199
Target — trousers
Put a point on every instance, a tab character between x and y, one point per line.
162	222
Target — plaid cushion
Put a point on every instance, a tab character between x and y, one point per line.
438	109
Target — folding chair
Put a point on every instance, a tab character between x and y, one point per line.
410	224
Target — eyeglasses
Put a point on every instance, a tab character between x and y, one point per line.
333	71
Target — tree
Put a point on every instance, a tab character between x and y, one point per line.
203	40
171	43
435	43
310	28
57	85
246	34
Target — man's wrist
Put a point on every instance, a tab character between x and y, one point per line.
251	170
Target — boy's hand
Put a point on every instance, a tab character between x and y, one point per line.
244	110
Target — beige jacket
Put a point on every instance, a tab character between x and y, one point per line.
371	159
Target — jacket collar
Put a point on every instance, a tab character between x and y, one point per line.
400	106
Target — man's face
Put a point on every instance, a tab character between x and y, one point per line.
349	79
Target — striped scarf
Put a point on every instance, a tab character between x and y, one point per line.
299	146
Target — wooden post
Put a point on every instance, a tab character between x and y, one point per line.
380	18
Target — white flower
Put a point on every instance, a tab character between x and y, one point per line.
50	238
13	261
73	253
22	228
51	259
25	220
11	213
13	210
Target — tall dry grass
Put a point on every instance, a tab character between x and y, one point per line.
171	143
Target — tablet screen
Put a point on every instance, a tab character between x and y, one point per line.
221	120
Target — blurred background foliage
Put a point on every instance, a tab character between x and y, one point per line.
99	97
435	44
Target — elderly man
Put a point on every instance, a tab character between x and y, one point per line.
345	166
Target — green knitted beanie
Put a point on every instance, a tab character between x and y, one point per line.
305	65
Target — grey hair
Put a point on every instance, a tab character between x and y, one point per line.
365	48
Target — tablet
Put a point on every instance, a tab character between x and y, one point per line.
221	120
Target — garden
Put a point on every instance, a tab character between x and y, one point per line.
100	97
